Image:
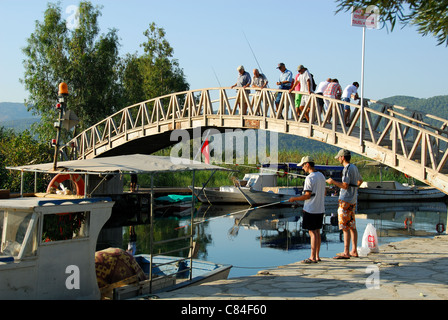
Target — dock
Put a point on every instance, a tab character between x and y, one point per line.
412	269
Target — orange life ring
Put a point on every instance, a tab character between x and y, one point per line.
407	222
282	174
440	227
61	177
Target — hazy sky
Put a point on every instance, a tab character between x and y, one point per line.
211	38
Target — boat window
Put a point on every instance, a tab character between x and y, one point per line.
251	182
14	226
65	226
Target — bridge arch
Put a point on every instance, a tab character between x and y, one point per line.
415	143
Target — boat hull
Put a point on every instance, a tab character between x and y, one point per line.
250	196
394	191
239	196
168	276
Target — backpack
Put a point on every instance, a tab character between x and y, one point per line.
313	83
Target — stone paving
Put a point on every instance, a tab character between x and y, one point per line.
411	269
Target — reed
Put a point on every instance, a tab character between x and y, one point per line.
222	178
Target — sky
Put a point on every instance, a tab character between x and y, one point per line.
212	38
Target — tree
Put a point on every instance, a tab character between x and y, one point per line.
79	56
430	16
155	73
18	149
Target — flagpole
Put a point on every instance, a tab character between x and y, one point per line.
362	124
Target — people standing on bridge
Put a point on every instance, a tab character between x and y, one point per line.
284	82
350	91
306	85
333	91
298	96
243	81
313	206
348	197
320	91
259	81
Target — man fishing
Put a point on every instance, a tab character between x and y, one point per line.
348	196
313	207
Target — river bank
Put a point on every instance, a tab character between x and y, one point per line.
412	269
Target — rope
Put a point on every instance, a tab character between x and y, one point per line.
271	267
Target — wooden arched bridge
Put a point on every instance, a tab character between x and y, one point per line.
412	142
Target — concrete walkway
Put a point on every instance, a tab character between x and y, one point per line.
411	269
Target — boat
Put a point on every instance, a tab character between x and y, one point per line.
168	273
394	191
49	240
261	188
48	247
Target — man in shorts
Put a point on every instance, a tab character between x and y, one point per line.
313	207
351	91
348	196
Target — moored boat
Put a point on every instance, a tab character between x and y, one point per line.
48	241
256	189
123	276
393	190
48	247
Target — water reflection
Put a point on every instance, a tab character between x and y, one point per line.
402	219
256	239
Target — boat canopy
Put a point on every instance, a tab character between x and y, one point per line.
135	163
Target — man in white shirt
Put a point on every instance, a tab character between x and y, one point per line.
313	207
320	91
305	86
350	91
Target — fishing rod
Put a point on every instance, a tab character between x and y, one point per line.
253	53
255	57
233	213
272	170
216	76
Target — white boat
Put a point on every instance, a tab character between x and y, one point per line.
122	276
393	190
254	189
42	258
48	241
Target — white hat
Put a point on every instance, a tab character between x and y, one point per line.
305	160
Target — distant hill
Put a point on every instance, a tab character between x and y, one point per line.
15	116
437	106
13	111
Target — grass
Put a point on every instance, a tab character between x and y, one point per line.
222	178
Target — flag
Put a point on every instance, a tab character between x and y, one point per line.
206	151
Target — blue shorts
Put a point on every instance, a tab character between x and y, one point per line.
346	107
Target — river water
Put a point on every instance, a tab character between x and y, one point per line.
254	240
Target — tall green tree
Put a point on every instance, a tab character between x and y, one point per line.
18	149
155	72
77	55
430	16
